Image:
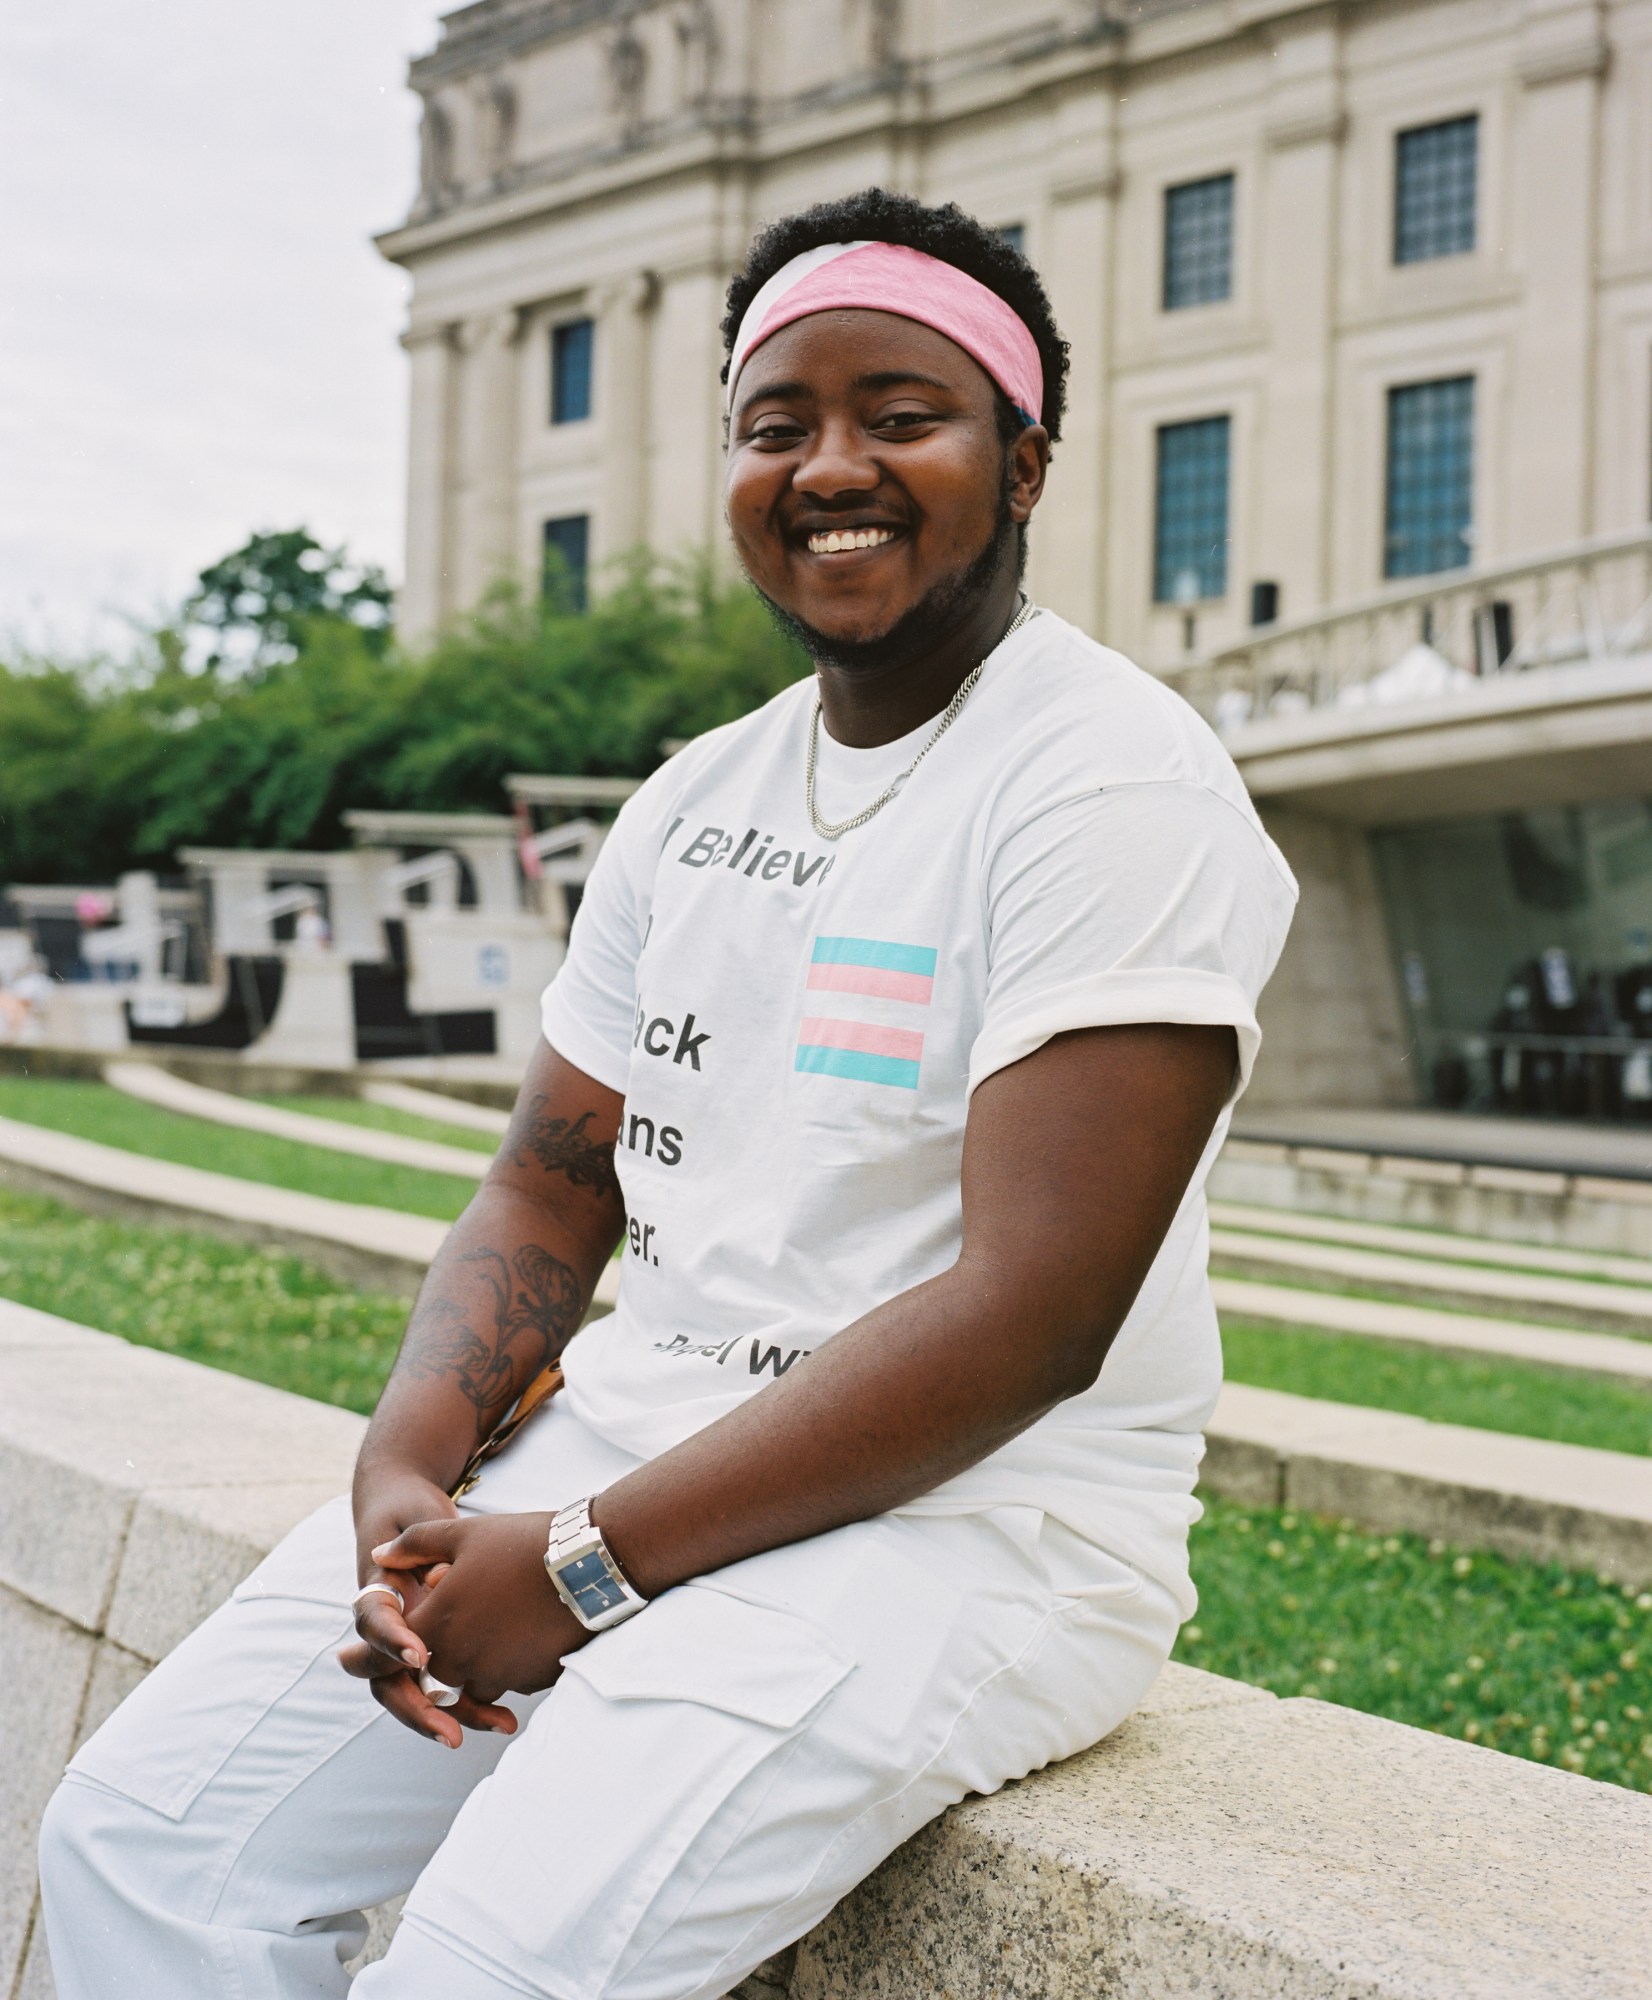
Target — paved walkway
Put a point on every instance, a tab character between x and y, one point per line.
1430	1243
1541	1144
172	1093
1531	1294
1452	1332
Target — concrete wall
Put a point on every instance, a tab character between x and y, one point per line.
1220	1842
136	1490
647	141
1332	1025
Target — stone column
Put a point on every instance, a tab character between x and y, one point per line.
624	314
486	449
426	595
1291	221
684	486
1068	568
1556	141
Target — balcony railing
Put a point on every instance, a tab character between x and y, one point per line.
1584	604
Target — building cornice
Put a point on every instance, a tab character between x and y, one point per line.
479	37
730	136
1586	55
734	132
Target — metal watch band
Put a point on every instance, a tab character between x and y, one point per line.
583	1570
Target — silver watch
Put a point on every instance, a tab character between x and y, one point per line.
586	1576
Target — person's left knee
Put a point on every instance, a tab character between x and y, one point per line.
94	1841
68	1835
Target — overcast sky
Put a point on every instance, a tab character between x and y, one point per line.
197	337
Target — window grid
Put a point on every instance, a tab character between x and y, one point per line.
1428	516
1190	529
1436	186
567	560
571	348
1015	235
1198	242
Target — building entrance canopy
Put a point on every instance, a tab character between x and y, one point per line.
1482	746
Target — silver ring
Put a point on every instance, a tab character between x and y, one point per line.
440	1692
388	1589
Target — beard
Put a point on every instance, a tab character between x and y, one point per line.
935	617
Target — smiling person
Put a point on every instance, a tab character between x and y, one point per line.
900	1024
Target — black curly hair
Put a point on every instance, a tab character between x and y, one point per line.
879	216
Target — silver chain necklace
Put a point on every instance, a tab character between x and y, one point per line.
835	830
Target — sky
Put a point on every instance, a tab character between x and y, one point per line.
197	336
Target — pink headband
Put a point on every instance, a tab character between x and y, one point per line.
888	277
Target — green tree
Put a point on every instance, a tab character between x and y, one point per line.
666	651
255	602
106	765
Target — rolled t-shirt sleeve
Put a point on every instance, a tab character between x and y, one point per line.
1157	901
589	1008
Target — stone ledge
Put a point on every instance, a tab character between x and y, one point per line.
1221	1842
1258	1851
130	1480
1523	1497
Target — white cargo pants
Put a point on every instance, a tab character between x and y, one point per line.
700	1788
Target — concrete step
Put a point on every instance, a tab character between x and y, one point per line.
1523	1497
380	1248
173	1093
377	1247
436	1105
1436	1243
1604	1354
1532	1294
1515	1205
1469	1139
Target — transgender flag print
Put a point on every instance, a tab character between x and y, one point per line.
866	1051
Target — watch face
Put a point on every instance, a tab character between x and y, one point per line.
591	1584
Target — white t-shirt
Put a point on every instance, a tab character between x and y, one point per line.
797	1024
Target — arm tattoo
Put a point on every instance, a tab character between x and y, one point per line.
536	1308
561	1146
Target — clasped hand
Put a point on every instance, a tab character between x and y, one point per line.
480	1613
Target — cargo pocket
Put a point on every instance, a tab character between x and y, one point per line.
697	1644
679	1723
180	1726
314	1564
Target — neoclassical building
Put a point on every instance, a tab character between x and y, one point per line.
1359	451
1354	290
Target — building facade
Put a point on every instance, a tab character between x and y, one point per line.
1359	295
1354	290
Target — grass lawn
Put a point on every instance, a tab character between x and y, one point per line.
1544	1662
1523	1397
254	1312
381	1118
94	1111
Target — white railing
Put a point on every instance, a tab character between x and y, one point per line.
1586	603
